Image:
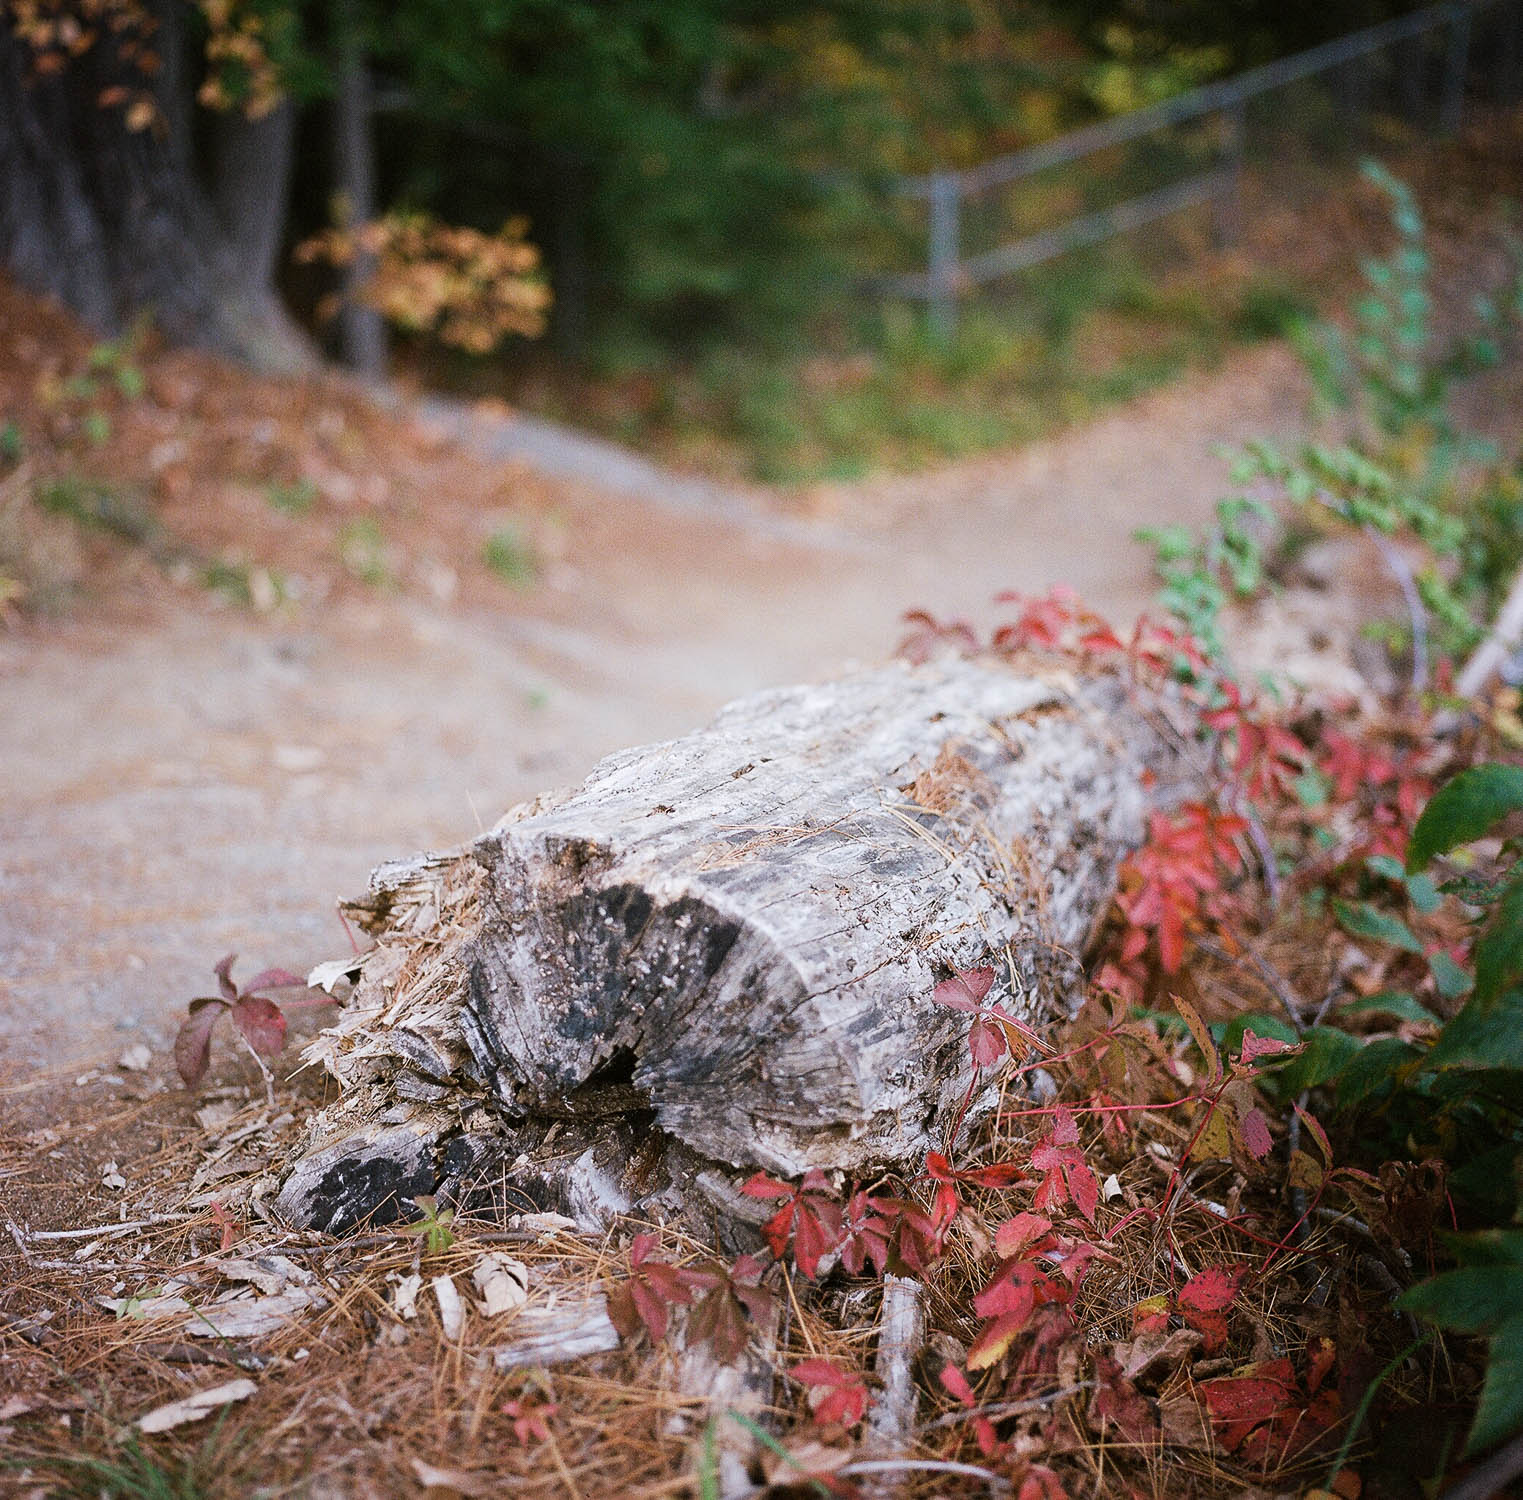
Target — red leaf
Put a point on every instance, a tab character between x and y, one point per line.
1314	1125
864	1236
834	1394
1204	1300
1256	1136
261	1022
223	969
813	1237
986	1041
1014	1235
1250	1399
530	1422
994	1340
193	1043
957	1384
1211	1290
228	1225
1040	1483
762	1186
1117	1403
996	1175
966	989
1065	1174
1263	1046
650	1307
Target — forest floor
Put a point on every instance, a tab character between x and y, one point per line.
189	774
262	635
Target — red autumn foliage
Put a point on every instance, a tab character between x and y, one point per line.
1267	1415
1065	1174
259	1019
1203	1302
835	1395
810	1218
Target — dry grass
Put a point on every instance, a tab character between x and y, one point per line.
351	1396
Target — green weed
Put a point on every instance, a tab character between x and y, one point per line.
510	557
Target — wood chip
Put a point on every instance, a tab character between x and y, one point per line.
451	1308
194	1407
502	1284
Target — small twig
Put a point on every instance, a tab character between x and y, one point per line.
88	1267
1273	980
995	1410
178	1353
21	1244
101	1231
997	1483
1502	639
1401	570
264	1072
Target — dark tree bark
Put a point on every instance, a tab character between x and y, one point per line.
362	334
111	220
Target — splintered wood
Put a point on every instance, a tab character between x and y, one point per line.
726	945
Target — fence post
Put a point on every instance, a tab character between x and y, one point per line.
1227	206
946	210
1455	67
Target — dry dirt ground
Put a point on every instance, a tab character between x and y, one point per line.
184	778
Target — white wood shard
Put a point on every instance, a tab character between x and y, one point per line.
739	931
557	1335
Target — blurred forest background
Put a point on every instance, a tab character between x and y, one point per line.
659	218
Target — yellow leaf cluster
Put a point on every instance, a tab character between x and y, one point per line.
467	288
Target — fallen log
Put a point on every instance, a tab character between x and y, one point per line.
719	952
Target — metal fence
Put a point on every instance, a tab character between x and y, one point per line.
1416	69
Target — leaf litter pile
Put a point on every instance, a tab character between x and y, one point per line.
1154	1269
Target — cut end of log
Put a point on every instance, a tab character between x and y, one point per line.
728	942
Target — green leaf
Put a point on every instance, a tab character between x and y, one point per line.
1499	952
1368	921
1375	1065
1500	1413
1398	1003
1487	1247
1486	1034
1473	1299
1386	867
1328	1052
1464	809
1229	1036
1311	788
1423	894
1451	979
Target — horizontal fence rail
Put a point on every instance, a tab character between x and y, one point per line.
951	274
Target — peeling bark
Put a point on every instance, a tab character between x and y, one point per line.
727	944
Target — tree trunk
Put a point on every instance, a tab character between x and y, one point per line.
111	221
733	938
362	334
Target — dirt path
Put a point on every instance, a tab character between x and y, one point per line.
182	781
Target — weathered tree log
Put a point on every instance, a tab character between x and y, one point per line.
733	938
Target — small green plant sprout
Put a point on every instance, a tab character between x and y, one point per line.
434	1225
294	499
1201	575
510	557
116	360
362	548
